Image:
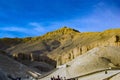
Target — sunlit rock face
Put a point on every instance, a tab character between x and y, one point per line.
94	60
73	53
59	46
89	41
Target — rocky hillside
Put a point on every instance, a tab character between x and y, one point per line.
9	42
35	50
12	67
59	47
93	61
84	42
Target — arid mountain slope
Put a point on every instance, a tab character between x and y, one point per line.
61	46
9	42
37	48
83	42
97	59
12	67
45	43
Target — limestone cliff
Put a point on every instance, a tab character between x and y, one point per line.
85	42
62	45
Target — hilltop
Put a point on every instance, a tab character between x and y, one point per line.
32	51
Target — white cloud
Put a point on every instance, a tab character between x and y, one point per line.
12	28
34	24
103	17
32	29
37	27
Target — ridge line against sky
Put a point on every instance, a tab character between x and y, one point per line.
24	18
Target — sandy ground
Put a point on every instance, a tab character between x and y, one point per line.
99	75
116	77
94	60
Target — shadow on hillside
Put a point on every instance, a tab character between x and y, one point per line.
42	63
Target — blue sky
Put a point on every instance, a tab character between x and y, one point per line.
24	18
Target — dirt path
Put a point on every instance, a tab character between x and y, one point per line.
100	75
